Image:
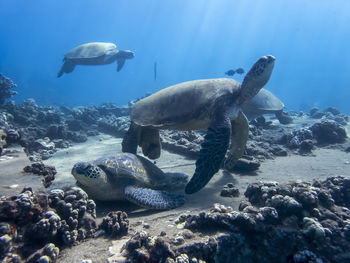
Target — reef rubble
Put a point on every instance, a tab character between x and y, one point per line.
35	226
5	85
295	223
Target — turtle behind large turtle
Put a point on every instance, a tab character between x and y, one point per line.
265	102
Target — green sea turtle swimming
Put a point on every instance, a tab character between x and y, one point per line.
265	102
209	103
131	177
95	53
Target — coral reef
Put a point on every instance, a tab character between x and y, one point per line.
143	248
115	224
42	130
48	172
3	142
35	225
48	253
329	114
229	190
245	164
5	85
321	133
182	142
328	132
295	222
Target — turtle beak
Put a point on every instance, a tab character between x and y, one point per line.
80	167
270	58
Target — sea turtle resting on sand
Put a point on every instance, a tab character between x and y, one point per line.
131	177
209	103
265	102
95	53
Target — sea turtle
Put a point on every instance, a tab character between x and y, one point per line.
199	104
265	102
132	177
95	53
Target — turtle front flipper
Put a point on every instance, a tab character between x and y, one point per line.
131	138
212	153
120	62
239	138
153	199
67	67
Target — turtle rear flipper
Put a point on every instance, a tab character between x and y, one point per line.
150	142
153	199
130	139
239	138
212	153
67	67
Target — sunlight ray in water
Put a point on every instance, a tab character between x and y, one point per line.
174	131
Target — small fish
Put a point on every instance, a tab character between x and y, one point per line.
240	71
230	72
155	71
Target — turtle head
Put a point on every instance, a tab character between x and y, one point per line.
256	78
126	54
86	173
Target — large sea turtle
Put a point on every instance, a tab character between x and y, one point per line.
95	53
265	102
209	103
132	177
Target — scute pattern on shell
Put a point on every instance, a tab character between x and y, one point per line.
90	50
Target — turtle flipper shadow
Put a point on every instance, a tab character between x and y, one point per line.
130	139
153	199
239	138
212	153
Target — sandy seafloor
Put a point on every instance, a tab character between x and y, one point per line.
322	163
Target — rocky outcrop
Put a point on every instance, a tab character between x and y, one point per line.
5	85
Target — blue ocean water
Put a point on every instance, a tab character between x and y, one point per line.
188	39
